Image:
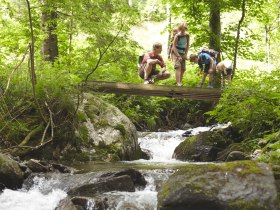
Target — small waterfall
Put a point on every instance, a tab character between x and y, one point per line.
32	199
45	194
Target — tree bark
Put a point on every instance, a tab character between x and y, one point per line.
215	34
49	24
237	37
215	25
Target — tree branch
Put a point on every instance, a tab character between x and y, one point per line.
101	54
10	77
238	35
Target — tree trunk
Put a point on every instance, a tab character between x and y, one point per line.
215	34
215	25
237	37
267	44
49	24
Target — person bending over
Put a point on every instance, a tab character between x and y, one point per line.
206	65
225	69
147	69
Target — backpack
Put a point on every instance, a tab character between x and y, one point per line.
210	52
140	59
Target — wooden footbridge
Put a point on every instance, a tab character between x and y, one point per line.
154	90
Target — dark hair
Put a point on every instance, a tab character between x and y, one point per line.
157	45
193	57
183	25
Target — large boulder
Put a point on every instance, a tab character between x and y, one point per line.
202	147
235	185
11	175
105	132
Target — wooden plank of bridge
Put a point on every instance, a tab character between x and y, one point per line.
154	90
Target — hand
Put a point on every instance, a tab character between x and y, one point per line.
158	62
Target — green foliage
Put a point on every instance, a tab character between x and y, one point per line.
270	152
152	113
251	103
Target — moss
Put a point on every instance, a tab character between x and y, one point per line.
121	128
164	193
246	205
186	174
241	167
114	158
92	116
82	117
106	152
1	160
84	134
102	123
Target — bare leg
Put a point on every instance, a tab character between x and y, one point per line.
182	74
178	76
223	81
147	71
203	78
162	76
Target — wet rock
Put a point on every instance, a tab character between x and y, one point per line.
136	177
276	171
201	147
232	133
235	185
237	155
61	168
11	175
187	134
146	154
37	166
237	151
186	126
102	204
80	201
120	183
66	204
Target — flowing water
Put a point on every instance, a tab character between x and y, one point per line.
45	193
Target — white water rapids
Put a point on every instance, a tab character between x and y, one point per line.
161	146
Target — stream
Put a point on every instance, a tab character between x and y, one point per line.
46	191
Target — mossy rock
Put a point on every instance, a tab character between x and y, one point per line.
201	147
107	134
11	176
240	185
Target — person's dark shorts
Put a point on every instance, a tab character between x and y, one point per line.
207	67
141	71
229	72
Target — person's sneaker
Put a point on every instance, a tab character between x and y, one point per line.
200	85
179	84
146	82
151	81
210	86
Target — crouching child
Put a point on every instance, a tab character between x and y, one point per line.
225	69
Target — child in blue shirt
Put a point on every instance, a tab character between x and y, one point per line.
206	65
